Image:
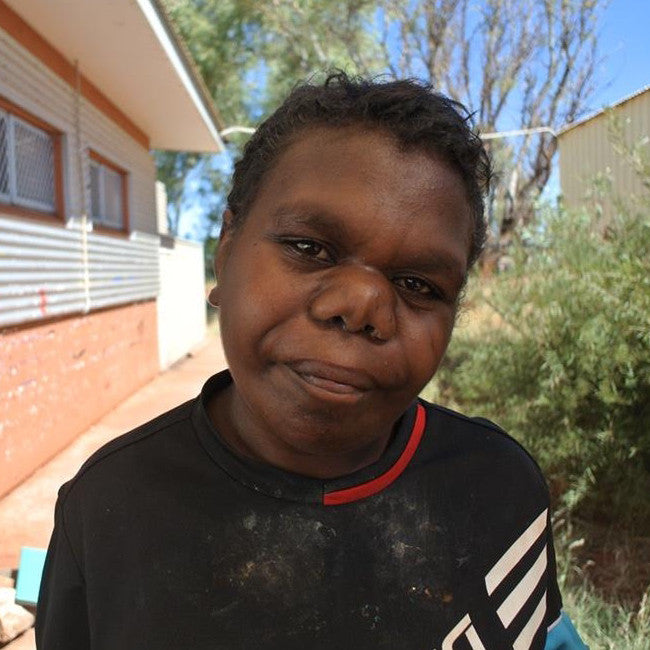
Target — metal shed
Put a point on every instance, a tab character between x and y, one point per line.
587	151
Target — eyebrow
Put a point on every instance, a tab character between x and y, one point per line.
327	222
436	260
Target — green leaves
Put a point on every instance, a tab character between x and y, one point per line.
569	375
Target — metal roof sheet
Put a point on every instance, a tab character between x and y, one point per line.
573	125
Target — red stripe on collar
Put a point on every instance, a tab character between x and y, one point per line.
369	488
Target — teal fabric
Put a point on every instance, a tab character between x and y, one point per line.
564	636
29	574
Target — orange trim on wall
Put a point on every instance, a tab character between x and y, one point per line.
48	218
32	41
28	117
93	155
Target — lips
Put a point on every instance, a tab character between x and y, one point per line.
332	378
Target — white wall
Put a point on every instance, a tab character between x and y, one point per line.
29	84
181	301
161	208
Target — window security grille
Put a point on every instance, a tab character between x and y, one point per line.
95	191
106	195
26	164
4	161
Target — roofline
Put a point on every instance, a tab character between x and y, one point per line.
181	59
573	125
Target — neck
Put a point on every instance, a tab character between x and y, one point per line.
248	437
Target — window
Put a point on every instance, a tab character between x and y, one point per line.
108	199
29	162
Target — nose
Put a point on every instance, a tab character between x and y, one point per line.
357	299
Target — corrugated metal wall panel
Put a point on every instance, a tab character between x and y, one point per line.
122	270
586	151
42	271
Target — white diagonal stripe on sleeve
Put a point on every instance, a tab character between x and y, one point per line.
512	556
457	631
521	593
526	636
473	639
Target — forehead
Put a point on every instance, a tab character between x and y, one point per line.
358	180
371	152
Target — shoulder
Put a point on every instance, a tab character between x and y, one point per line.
437	414
479	452
454	431
494	487
128	454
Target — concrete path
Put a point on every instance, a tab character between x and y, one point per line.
26	513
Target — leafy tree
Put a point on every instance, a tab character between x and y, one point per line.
223	37
173	168
517	63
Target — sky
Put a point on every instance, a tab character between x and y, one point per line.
624	43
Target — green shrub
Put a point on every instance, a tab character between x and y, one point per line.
567	370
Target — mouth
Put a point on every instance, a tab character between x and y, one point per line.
330	380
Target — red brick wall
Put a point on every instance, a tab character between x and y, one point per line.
58	378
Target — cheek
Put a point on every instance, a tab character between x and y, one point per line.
256	300
427	344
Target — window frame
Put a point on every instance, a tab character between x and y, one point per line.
96	159
25	207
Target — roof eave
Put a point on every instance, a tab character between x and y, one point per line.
591	116
185	65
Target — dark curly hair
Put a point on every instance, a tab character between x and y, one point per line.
416	116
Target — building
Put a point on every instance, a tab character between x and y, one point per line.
586	150
93	300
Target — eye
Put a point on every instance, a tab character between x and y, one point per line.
417	287
308	248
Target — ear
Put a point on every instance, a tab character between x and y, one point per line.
225	243
221	254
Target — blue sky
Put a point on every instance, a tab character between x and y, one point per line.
625	44
625	68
